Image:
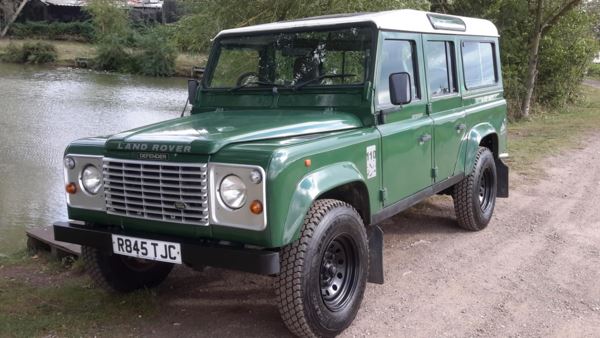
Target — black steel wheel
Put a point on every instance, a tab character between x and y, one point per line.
475	196
123	274
324	273
338	272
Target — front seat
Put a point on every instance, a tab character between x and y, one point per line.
306	68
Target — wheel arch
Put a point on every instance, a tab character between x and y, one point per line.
485	135
341	181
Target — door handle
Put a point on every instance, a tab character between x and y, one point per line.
424	138
461	127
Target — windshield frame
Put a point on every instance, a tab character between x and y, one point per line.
213	57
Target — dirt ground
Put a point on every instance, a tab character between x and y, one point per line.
534	272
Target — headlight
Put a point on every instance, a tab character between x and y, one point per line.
233	192
91	179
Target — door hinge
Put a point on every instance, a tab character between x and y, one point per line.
383	194
428	108
434	172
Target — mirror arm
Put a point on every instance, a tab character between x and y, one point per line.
383	113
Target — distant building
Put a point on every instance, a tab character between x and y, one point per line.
597	58
72	10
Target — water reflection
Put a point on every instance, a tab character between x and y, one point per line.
41	111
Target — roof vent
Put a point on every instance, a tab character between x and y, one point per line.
445	22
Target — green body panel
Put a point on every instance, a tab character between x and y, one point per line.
447	114
344	154
406	162
332	127
207	133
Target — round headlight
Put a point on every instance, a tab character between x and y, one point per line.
233	192
91	179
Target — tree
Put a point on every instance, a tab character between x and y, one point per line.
546	17
207	17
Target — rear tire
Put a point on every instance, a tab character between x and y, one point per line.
475	196
118	273
324	274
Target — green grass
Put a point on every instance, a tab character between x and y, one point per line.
42	297
547	134
594	72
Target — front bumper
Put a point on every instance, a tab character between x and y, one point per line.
194	253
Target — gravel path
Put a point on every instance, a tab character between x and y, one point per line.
534	272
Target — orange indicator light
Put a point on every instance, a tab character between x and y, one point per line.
71	188
256	207
307	162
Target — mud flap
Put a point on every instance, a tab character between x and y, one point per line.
502	172
375	235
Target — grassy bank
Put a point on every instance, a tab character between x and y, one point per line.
69	51
551	132
42	297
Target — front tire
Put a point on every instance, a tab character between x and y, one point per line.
118	273
475	196
324	274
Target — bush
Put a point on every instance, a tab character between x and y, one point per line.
112	56
71	31
37	53
158	54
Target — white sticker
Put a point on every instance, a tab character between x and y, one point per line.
371	161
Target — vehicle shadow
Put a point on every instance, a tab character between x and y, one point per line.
219	302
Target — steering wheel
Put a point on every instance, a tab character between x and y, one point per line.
244	77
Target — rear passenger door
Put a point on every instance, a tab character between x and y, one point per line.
407	130
445	104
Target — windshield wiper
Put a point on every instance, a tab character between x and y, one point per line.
321	77
261	83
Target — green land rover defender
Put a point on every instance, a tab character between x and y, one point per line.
303	137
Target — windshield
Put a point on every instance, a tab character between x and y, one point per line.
299	59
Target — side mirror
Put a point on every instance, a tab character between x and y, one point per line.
400	88
193	85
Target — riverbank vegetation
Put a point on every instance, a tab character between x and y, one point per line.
30	53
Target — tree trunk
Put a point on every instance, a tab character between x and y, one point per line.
13	18
540	29
534	49
531	74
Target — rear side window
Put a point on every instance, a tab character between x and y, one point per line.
479	64
397	56
441	68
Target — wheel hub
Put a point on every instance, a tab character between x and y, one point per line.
337	272
486	190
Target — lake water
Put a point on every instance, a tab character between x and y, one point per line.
41	111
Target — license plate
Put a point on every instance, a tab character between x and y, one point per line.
147	249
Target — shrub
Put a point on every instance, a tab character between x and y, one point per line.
38	52
112	56
158	54
71	31
13	54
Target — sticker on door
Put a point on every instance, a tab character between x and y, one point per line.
371	162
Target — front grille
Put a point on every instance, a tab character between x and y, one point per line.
156	191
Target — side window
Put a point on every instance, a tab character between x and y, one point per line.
441	68
397	56
479	65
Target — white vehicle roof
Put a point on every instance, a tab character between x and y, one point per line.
407	20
